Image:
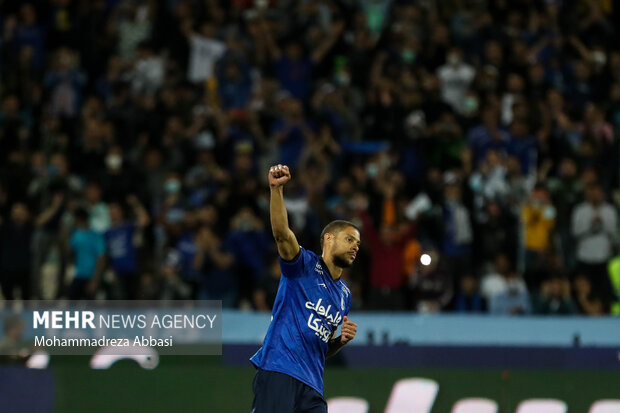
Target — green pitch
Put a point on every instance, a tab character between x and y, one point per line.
202	384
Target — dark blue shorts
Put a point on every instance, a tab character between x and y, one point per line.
280	393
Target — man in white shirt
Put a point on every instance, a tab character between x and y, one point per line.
205	51
455	77
593	225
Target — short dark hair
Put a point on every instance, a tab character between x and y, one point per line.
336	226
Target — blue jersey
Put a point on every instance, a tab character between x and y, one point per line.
308	309
121	250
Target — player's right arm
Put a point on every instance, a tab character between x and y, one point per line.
288	248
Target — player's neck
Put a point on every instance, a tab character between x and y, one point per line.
334	270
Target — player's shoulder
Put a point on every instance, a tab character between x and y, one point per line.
309	254
344	287
303	259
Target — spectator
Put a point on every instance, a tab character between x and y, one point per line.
121	248
594	223
514	300
291	131
457	230
455	76
504	289
564	190
386	246
554	298
496	234
215	261
14	127
589	303
118	182
88	249
293	69
65	84
538	222
429	287
16	237
30	33
234	82
205	51
97	209
250	245
174	287
134	27
265	293
487	136
469	299
148	74
50	235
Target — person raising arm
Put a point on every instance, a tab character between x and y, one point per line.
311	304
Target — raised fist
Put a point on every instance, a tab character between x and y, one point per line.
279	175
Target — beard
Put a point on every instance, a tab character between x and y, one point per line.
341	262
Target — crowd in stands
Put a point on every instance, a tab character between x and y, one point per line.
136	137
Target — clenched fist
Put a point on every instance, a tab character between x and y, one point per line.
279	175
349	328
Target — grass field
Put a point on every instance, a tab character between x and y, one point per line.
203	384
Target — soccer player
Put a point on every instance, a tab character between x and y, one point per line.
311	303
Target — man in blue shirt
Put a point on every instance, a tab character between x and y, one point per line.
121	248
311	303
88	248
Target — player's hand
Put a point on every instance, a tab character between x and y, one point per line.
279	175
349	328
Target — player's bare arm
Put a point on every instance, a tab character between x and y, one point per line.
288	247
348	331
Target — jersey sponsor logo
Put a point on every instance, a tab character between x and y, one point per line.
322	285
316	324
321	314
318	268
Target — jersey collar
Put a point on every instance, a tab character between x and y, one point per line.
324	265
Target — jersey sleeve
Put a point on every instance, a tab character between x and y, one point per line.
348	302
295	267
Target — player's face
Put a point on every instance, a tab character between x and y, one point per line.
346	246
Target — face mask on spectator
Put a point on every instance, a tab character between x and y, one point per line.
173	186
342	78
471	104
114	161
599	57
372	170
408	55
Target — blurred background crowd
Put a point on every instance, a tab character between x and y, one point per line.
136	136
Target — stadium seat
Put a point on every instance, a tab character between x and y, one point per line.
412	396
605	406
347	405
542	406
475	405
